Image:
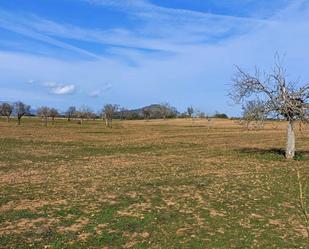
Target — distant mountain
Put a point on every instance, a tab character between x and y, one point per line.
150	111
154	108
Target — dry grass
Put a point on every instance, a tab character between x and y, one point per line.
153	184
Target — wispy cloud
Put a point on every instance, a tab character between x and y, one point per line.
159	29
147	9
24	25
55	87
101	91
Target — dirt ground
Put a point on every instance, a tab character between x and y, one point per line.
150	184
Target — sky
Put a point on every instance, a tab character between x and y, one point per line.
140	52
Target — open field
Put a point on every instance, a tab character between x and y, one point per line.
149	184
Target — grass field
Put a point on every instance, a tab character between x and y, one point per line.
149	184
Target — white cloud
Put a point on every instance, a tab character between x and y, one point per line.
62	89
55	87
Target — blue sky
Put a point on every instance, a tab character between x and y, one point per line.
138	52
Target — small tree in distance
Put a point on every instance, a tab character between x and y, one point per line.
108	113
190	111
122	113
6	110
277	96
253	112
201	115
44	112
84	113
146	113
167	111
21	110
71	113
53	113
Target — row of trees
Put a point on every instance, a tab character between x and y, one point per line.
108	113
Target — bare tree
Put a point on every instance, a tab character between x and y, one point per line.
92	115
81	115
21	110
84	112
44	112
201	115
122	113
167	111
6	110
53	113
146	113
164	110
209	121
279	97
253	114
108	113
190	111
71	113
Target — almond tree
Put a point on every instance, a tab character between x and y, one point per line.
253	112
44	112
71	113
53	113
122	113
146	113
190	111
21	110
164	109
108	113
6	110
84	113
278	96
167	111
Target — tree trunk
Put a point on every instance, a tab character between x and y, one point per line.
19	120
290	145
248	125
8	118
45	121
301	127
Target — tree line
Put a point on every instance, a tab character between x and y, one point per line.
108	113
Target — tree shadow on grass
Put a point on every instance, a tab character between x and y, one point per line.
276	154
